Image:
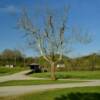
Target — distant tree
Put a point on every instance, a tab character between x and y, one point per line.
17	55
22	51
29	60
51	38
0	56
0	59
93	61
9	56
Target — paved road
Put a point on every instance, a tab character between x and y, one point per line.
19	90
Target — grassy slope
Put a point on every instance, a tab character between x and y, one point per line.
36	82
72	74
52	94
7	71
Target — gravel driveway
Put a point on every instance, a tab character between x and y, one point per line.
18	76
19	90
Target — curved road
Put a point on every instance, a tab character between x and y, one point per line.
18	76
19	90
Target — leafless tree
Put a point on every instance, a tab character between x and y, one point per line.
52	39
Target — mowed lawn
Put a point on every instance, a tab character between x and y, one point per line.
61	75
36	82
8	71
71	74
84	93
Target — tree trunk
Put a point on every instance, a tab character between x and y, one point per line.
24	62
15	61
53	76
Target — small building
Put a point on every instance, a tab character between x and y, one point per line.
10	66
35	67
60	65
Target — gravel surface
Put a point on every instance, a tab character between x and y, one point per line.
19	90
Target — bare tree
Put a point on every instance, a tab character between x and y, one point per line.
52	39
22	51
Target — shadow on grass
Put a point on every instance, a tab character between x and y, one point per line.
31	72
79	96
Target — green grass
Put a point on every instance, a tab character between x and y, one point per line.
84	93
7	71
71	74
35	82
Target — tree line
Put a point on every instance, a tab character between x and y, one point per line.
14	57
89	62
17	58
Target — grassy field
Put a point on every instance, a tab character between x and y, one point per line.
71	74
84	93
36	82
64	75
7	71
